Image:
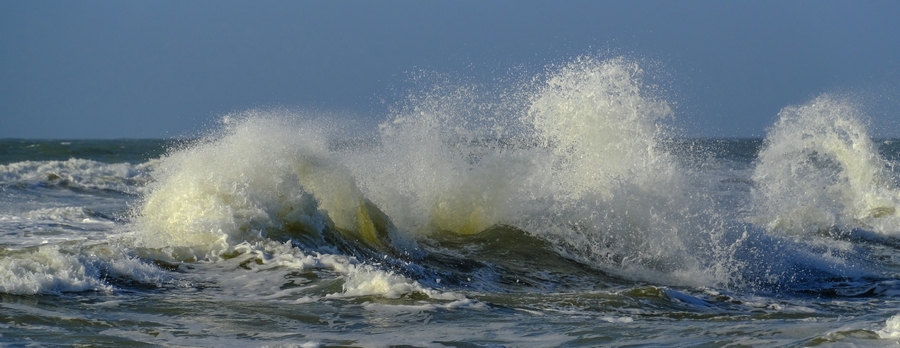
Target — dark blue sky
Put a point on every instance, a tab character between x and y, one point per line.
126	69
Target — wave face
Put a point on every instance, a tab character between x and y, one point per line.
819	171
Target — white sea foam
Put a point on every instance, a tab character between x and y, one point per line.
46	271
81	173
259	271
891	328
50	269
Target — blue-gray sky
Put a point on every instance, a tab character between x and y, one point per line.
152	69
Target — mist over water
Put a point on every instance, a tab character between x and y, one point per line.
568	192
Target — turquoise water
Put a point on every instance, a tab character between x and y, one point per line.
569	213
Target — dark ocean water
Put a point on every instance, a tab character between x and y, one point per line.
567	216
106	151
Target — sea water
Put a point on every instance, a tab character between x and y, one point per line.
563	211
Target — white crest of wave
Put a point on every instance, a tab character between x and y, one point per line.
50	269
891	328
45	270
263	266
819	170
263	173
124	177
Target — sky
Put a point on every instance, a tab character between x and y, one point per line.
159	69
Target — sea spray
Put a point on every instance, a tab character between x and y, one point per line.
603	127
264	193
448	162
619	198
820	172
261	175
580	158
622	201
577	157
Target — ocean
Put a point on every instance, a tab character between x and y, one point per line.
566	211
